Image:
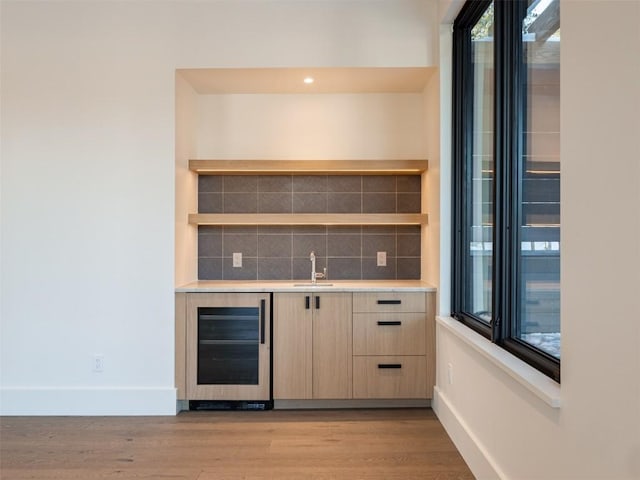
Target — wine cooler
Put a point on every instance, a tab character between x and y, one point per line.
229	347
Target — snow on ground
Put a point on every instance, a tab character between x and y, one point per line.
548	342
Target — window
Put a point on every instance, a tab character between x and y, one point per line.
506	191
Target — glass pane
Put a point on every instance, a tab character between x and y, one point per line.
539	235
228	345
480	200
222	364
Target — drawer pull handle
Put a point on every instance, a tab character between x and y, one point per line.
389	302
389	365
307	301
392	322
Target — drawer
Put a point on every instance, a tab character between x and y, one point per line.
389	334
390	377
388	302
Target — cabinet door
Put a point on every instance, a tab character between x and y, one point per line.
332	347
292	346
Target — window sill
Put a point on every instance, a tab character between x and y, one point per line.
530	378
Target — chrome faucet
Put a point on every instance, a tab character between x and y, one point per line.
314	275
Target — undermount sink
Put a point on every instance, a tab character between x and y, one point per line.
313	284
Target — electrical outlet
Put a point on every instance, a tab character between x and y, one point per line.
237	260
98	363
382	259
450	374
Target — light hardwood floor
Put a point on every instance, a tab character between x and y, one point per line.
318	444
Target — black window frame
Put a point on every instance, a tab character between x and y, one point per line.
509	110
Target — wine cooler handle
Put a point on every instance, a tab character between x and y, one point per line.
263	307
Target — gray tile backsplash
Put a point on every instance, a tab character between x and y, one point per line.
209	183
282	252
245	243
338	202
245	202
210	202
379	183
408	183
275	183
309	194
309	183
340	245
373	243
350	268
240	183
379	203
344	183
309	202
274	268
304	243
269	202
249	270
370	270
274	246
408	202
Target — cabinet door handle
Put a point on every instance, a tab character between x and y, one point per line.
391	322
389	365
307	303
317	303
263	307
389	302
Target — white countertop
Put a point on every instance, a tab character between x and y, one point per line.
305	285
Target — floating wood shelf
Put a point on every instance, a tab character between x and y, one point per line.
308	167
308	219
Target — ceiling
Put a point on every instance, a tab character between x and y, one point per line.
290	80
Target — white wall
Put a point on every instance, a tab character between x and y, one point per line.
88	173
503	430
431	197
186	235
311	126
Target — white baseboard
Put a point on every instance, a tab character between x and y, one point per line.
472	450
87	401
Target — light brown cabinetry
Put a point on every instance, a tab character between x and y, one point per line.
389	334
326	345
391	345
397	376
312	345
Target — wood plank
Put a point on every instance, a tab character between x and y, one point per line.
181	345
430	318
308	219
367	444
547	23
292	346
389	334
332	345
407	381
308	167
406	302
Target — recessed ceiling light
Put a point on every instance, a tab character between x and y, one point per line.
308	80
